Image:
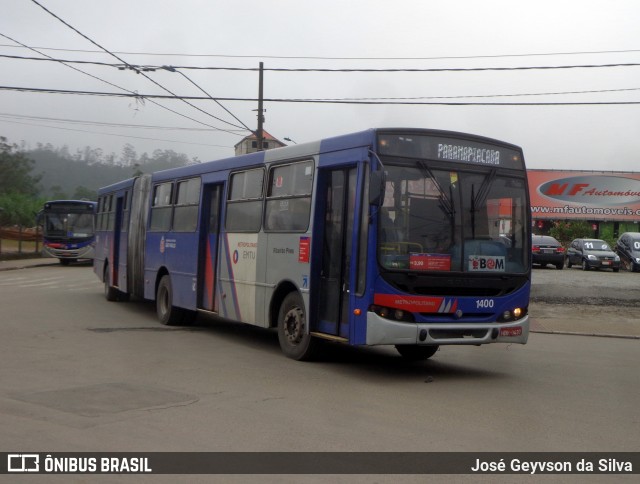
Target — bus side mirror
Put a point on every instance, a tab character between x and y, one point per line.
376	191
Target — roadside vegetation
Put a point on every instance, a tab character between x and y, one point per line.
29	177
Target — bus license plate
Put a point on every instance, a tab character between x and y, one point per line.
517	331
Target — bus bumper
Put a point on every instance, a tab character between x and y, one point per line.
81	253
381	331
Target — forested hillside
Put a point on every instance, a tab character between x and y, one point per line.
29	177
63	175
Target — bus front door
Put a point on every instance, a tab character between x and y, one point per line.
337	241
208	252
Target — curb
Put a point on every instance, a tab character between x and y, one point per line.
28	266
573	333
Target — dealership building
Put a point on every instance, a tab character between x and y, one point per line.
609	201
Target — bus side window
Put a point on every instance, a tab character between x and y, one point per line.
289	197
244	207
161	207
185	216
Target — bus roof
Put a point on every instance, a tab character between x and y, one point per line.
360	139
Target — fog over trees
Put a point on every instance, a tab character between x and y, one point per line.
31	175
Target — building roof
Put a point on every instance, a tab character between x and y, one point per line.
267	136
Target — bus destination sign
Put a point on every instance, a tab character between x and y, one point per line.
450	149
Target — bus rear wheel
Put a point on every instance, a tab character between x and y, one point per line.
110	292
417	353
293	333
168	313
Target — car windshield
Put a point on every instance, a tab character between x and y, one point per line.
435	220
596	245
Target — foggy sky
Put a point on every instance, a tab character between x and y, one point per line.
413	34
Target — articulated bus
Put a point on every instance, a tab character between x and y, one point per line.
407	237
68	229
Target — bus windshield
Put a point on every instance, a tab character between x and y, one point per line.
452	220
67	225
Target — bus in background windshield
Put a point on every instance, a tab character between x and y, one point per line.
413	238
68	229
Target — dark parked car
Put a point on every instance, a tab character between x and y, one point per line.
628	248
547	250
592	254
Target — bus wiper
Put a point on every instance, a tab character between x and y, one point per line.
483	191
446	201
478	198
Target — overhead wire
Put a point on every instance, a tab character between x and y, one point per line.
316	101
67	64
141	69
293	57
177	69
101	123
116	134
130	66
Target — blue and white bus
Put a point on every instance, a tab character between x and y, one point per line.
68	229
408	237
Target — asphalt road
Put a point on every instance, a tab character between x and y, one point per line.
585	302
81	374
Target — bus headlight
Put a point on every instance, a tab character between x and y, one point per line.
392	313
512	315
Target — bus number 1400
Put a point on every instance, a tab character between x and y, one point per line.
484	303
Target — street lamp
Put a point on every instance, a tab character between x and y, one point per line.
290	140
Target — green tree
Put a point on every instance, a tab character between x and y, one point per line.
19	209
15	170
565	232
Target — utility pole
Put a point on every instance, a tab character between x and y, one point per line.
260	132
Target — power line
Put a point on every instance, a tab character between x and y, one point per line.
176	69
67	64
475	96
173	69
256	56
129	66
102	123
114	134
316	101
141	69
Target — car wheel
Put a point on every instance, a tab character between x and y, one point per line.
560	266
568	263
585	266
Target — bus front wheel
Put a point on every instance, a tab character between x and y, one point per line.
417	353
293	333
